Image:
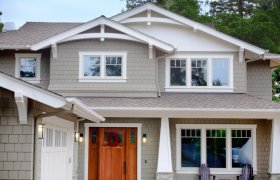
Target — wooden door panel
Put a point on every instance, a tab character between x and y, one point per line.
118	163
93	154
131	153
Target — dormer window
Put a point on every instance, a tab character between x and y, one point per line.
195	73
102	67
28	67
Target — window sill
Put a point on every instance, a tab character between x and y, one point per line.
200	89
213	171
104	80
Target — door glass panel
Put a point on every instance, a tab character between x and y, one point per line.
216	148
93	136
113	136
242	148
132	136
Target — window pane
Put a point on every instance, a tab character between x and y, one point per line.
178	72
216	148
220	68
113	66
190	148
199	72
27	67
91	66
242	148
111	135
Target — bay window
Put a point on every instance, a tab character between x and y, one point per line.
199	73
102	66
225	148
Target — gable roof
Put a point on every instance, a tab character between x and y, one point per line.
48	97
103	21
188	22
31	33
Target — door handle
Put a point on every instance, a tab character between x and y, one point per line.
124	167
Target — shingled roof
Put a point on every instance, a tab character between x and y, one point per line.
186	101
33	32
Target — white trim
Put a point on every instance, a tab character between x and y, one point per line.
100	35
124	125
188	22
103	77
108	22
151	20
37	56
188	87
22	106
203	127
187	112
274	166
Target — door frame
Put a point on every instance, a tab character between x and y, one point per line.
121	125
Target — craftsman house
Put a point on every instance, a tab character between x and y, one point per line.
146	94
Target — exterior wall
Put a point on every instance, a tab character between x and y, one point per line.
239	74
16	141
7	65
259	79
149	151
140	70
263	144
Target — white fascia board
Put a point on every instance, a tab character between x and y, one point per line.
188	22
105	21
31	91
187	113
83	111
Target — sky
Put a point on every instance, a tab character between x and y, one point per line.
21	11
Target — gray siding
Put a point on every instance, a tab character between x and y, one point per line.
259	79
140	70
239	75
149	151
16	141
7	65
263	143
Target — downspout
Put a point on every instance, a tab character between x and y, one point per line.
157	84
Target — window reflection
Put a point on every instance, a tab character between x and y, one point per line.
91	66
113	66
27	67
199	72
220	70
178	72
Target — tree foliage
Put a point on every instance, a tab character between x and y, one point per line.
1	24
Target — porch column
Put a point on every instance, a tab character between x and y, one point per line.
274	166
164	168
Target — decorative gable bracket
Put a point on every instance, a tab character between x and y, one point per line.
241	55
21	102
54	51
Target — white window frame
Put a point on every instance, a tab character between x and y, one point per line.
203	127
103	77
189	87
36	79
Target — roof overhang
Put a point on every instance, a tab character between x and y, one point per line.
24	90
108	22
190	23
187	113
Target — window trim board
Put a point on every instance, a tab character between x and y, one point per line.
103	77
203	127
38	56
188	87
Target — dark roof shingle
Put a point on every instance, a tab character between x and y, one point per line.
186	100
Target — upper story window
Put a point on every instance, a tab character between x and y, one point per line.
199	73
225	148
28	67
102	66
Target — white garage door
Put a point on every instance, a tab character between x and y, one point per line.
57	149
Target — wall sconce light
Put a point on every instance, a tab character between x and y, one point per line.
144	138
81	138
77	136
41	131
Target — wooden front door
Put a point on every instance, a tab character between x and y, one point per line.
112	154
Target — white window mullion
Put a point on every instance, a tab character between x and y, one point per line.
189	73
103	66
209	72
228	149
203	146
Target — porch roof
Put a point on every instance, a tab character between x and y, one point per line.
227	101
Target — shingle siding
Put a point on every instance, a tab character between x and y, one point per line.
259	79
140	70
16	142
